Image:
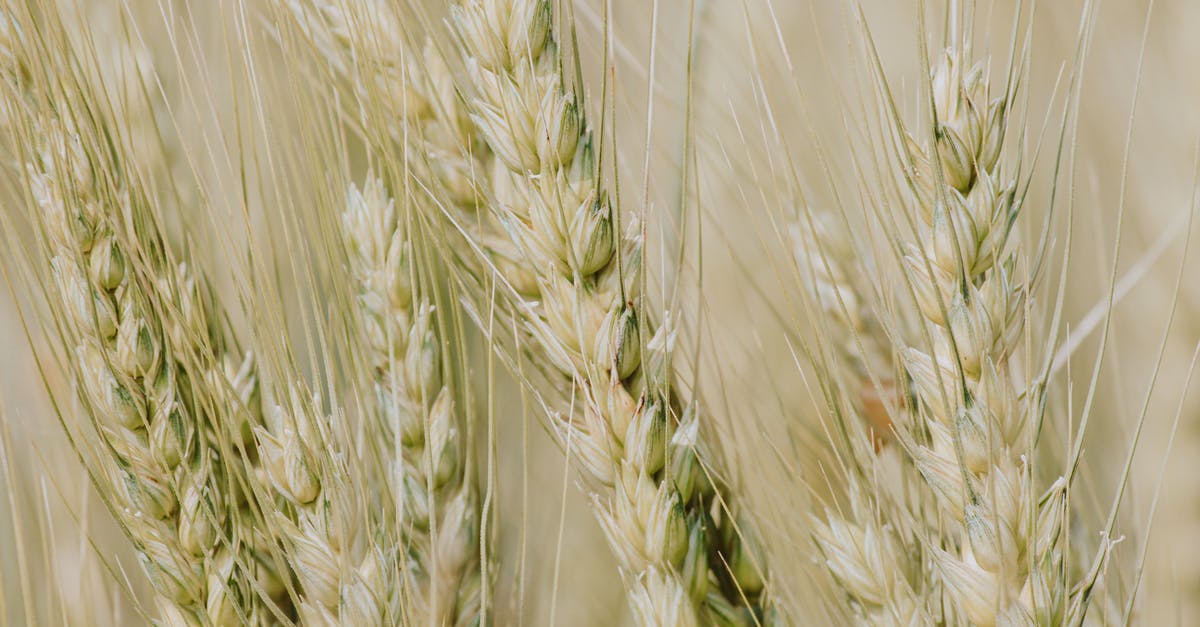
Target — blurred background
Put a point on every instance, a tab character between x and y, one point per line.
717	153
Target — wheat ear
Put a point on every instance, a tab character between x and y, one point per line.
378	531
871	565
827	264
653	499
979	446
401	89
168	414
866	549
317	513
393	542
410	96
424	432
163	474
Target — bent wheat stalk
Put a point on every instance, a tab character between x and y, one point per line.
164	477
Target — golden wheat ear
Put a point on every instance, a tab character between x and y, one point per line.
960	327
421	419
574	280
166	414
405	354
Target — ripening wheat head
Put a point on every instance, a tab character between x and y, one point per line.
168	406
974	524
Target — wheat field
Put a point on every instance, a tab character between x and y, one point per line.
599	312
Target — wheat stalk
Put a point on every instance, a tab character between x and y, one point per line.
973	309
995	550
379	527
163	476
423	443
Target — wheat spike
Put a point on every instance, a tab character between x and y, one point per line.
585	315
963	273
151	365
424	433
